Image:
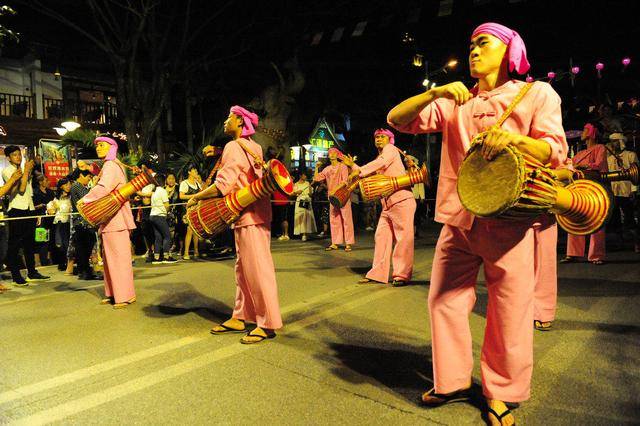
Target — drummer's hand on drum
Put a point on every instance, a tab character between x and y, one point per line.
456	91
353	175
495	141
192	202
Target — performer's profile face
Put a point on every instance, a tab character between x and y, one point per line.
102	149
381	140
333	155
232	124
486	54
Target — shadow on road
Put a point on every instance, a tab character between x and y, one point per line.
184	301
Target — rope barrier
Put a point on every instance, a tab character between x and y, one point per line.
7	219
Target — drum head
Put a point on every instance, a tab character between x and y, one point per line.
489	188
281	176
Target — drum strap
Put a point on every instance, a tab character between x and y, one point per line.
258	161
507	112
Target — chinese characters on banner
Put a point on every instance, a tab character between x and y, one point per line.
55	161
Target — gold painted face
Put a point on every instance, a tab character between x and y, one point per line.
381	140
486	55
102	149
333	155
232	124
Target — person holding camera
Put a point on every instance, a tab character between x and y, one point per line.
21	231
304	221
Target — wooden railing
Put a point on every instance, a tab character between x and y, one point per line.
83	112
18	105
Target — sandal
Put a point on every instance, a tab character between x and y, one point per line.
124	304
4	288
364	280
398	283
224	329
107	301
568	259
499	417
597	262
542	326
348	248
432	399
331	247
254	337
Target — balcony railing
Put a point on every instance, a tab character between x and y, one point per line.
83	112
17	105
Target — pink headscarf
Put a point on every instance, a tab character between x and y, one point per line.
515	46
592	130
113	149
337	151
249	119
387	133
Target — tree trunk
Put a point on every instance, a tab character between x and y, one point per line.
159	143
188	117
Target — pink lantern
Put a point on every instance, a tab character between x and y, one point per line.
529	79
551	75
575	70
599	66
626	61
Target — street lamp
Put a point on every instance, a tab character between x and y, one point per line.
70	125
61	131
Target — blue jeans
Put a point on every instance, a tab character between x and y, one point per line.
162	234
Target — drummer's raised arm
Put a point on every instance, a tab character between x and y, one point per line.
408	116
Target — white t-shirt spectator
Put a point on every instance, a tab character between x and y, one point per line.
185	186
63	208
17	201
158	199
622	188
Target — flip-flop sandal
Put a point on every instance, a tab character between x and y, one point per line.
568	260
364	281
226	330
432	399
330	248
348	249
259	336
499	417
597	262
542	326
398	283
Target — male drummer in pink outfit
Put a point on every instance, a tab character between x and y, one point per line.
257	290
116	245
505	248
592	158
340	219
396	220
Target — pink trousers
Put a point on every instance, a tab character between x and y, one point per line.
507	251
546	270
341	223
257	290
576	243
395	226
118	271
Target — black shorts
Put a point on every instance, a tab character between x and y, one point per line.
280	213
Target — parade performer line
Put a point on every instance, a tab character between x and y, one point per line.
93	370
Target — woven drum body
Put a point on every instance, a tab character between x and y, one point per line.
376	187
212	216
342	194
101	211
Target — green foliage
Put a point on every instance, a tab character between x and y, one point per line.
184	158
6	33
79	136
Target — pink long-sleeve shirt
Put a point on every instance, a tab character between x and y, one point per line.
594	158
537	115
237	170
112	177
334	175
388	163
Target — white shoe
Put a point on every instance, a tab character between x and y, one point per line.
368	228
304	238
321	234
